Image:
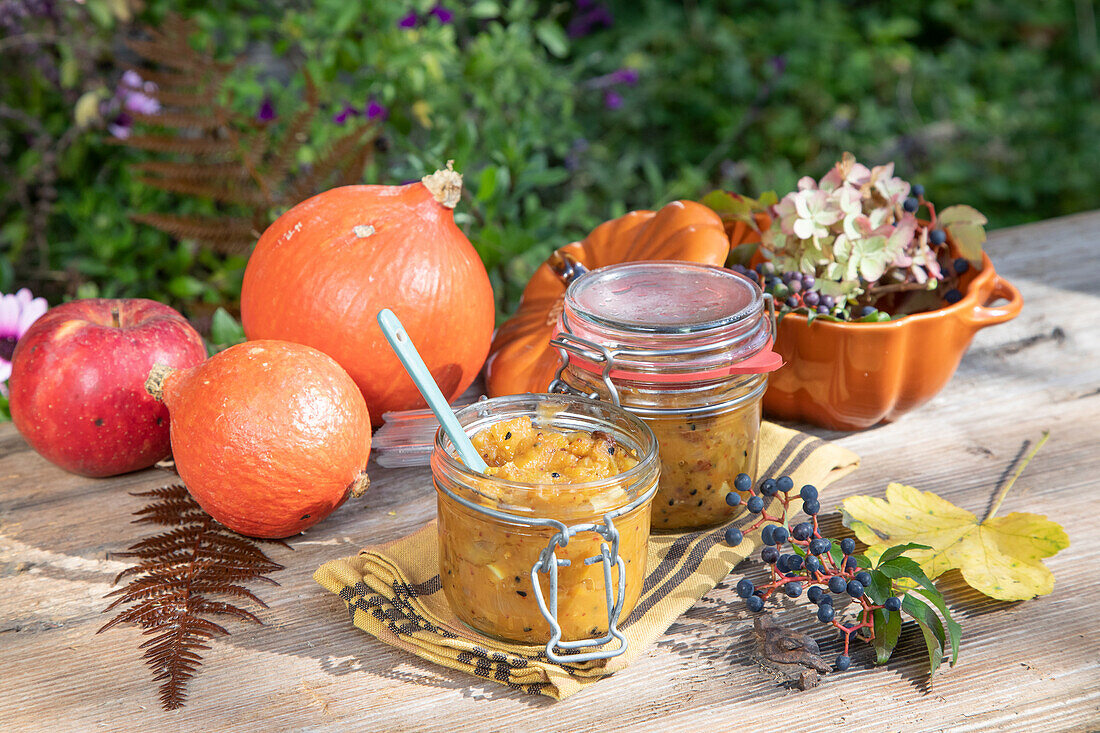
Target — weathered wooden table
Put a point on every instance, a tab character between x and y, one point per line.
1023	666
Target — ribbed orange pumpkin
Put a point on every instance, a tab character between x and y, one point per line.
323	270
268	436
521	358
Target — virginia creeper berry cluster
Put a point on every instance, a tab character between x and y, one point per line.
817	565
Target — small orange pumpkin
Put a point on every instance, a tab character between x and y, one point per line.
268	436
521	358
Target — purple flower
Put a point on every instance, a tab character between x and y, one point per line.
612	99
266	113
120	126
578	149
17	313
778	63
376	111
132	97
344	114
592	16
442	14
135	94
408	21
626	76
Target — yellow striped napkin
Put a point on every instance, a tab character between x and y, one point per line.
393	591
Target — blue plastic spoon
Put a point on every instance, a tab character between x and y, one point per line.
402	345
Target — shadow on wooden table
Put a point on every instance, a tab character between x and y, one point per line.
317	628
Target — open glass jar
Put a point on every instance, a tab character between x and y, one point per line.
549	563
687	348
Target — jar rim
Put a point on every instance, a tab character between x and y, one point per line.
533	405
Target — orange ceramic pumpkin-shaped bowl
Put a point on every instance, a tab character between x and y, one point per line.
850	376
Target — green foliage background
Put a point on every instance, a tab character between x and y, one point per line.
987	103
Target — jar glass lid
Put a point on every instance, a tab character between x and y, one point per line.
663	297
678	319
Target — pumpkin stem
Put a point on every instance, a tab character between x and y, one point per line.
359	486
154	383
445	185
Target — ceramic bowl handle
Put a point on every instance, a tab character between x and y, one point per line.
984	315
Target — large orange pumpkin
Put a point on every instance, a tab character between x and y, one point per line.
323	270
521	358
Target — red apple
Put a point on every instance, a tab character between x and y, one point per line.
78	383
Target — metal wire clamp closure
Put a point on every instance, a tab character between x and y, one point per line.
549	563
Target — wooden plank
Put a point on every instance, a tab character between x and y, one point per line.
1026	666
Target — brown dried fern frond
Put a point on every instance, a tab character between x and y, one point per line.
169	587
226	234
191	171
208	150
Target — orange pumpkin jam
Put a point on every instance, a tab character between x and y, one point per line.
516	450
485	563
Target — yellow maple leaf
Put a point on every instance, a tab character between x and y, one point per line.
1000	556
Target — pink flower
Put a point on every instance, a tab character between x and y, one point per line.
894	190
815	212
17	313
135	94
847	172
132	97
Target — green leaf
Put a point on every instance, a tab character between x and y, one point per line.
969	238
960	214
899	550
879	589
487	183
887	627
484	9
965	225
768	198
930	626
185	286
903	567
729	205
225	330
553	37
954	631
